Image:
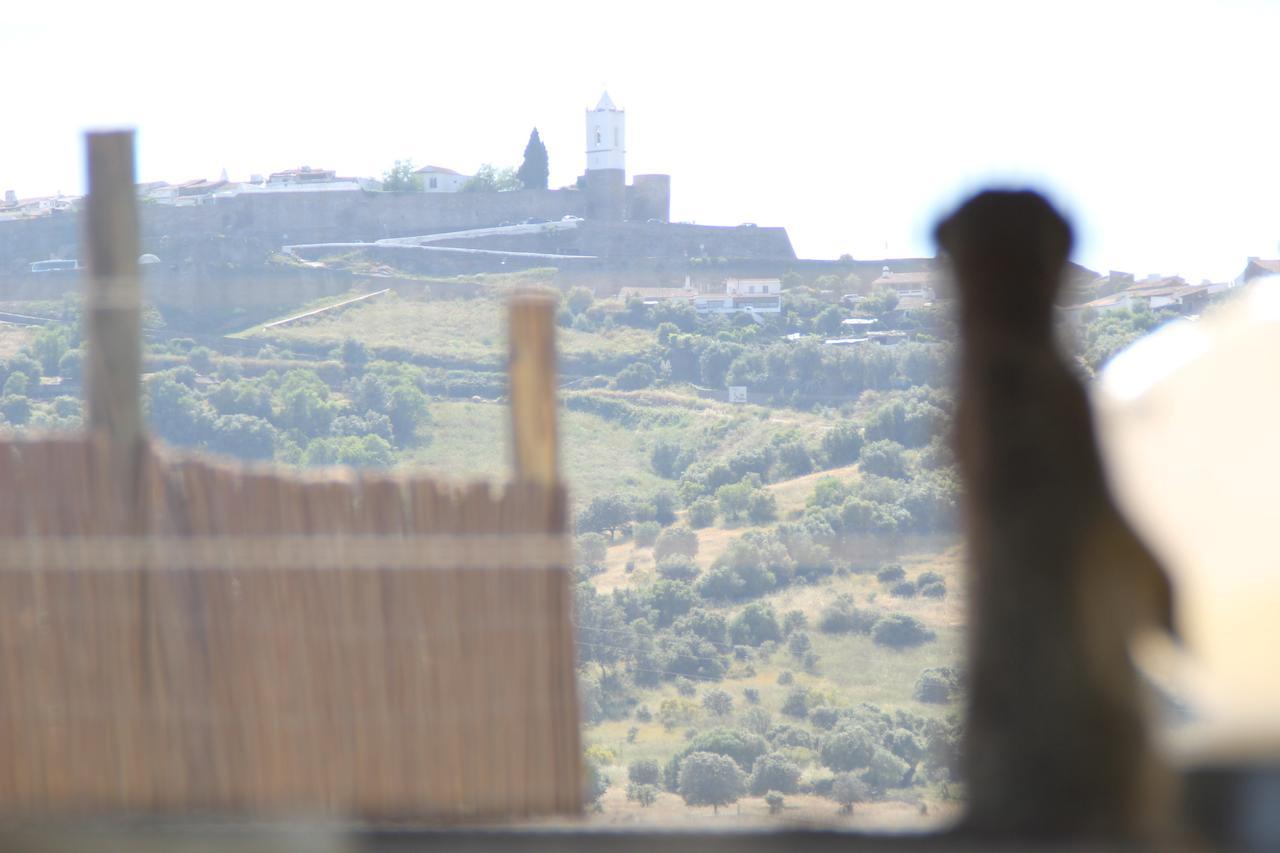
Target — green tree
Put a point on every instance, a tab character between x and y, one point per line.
49	346
175	413
847	790
535	169
842	443
733	500
775	801
401	179
644	771
243	436
848	748
635	376
702	513
354	356
592	549
580	299
645	795
607	513
762	507
718	702
707	779
407	409
829	322
774	772
17	384
489	179
755	624
884	458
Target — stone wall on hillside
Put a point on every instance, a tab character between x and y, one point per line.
631	240
243	228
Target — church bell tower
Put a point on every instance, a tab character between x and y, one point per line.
606	162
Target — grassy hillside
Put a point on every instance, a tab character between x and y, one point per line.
777	631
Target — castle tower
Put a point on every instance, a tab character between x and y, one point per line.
606	162
606	136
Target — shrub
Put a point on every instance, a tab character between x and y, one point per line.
762	507
663	507
742	746
903	589
752	695
635	376
799	645
718	702
936	685
71	364
934	590
785	735
733	500
824	717
900	631
842	617
786	677
775	802
592	549
200	359
644	772
705	624
842	444
797	703
847	790
794	459
686	687
17	410
677	568
793	620
643	714
885	770
702	513
371	451
757	720
847	748
927	578
645	795
675	541
755	624
883	458
773	772
645	533
891	573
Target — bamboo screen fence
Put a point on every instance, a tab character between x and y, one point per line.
181	635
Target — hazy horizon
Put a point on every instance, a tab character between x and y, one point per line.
854	128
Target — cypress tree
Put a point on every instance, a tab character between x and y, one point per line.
535	168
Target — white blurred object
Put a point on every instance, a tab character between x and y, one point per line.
1189	423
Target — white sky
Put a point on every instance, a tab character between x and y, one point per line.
853	124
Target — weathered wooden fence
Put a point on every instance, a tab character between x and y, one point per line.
181	635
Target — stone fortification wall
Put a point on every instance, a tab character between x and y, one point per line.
250	225
618	240
649	197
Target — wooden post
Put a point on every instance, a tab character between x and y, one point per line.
532	374
114	302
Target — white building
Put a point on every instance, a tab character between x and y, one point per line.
437	179
606	137
750	295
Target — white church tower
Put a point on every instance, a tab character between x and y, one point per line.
606	137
